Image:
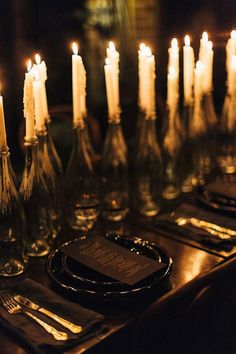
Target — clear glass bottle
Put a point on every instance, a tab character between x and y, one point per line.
171	146
199	130
13	252
36	200
227	137
51	180
55	159
83	202
147	170
187	152
114	173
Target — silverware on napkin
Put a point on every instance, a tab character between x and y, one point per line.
13	308
220	232
63	322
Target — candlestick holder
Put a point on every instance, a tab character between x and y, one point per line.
114	173
36	201
147	170
13	253
171	145
83	201
50	179
227	137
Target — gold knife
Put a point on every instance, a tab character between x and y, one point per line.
67	324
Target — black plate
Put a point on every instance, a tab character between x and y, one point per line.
81	280
214	201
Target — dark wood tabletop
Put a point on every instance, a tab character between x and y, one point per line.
188	262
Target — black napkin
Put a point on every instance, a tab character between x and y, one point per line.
167	221
33	334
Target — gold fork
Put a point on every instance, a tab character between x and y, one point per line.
13	308
215	230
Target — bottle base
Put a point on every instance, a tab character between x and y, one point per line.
38	248
12	267
114	214
170	192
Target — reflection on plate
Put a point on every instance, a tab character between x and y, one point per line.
214	201
78	279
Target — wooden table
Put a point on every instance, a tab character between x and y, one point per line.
188	263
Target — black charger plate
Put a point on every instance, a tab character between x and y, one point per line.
213	201
78	279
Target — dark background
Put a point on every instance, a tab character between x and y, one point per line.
49	27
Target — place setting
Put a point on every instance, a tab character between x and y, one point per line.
55	212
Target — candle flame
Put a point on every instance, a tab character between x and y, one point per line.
107	61
112	46
174	43
233	61
29	65
187	40
209	45
205	37
142	47
37	58
199	66
233	34
75	48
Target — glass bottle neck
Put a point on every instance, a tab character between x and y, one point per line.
31	154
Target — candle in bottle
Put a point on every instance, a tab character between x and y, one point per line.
207	82
38	106
141	69
230	49
42	76
76	89
232	76
174	55
203	47
110	89
188	70
113	56
3	138
198	79
151	88
171	88
29	102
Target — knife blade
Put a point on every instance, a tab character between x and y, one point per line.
62	321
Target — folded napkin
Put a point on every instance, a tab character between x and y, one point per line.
33	334
167	222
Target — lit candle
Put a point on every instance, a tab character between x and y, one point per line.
232	78
174	55
42	75
29	102
188	63
110	90
3	138
171	88
198	79
113	56
207	82
38	105
151	89
146	80
230	49
76	89
141	70
203	47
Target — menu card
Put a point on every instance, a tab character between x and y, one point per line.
109	258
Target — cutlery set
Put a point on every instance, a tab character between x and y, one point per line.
17	304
